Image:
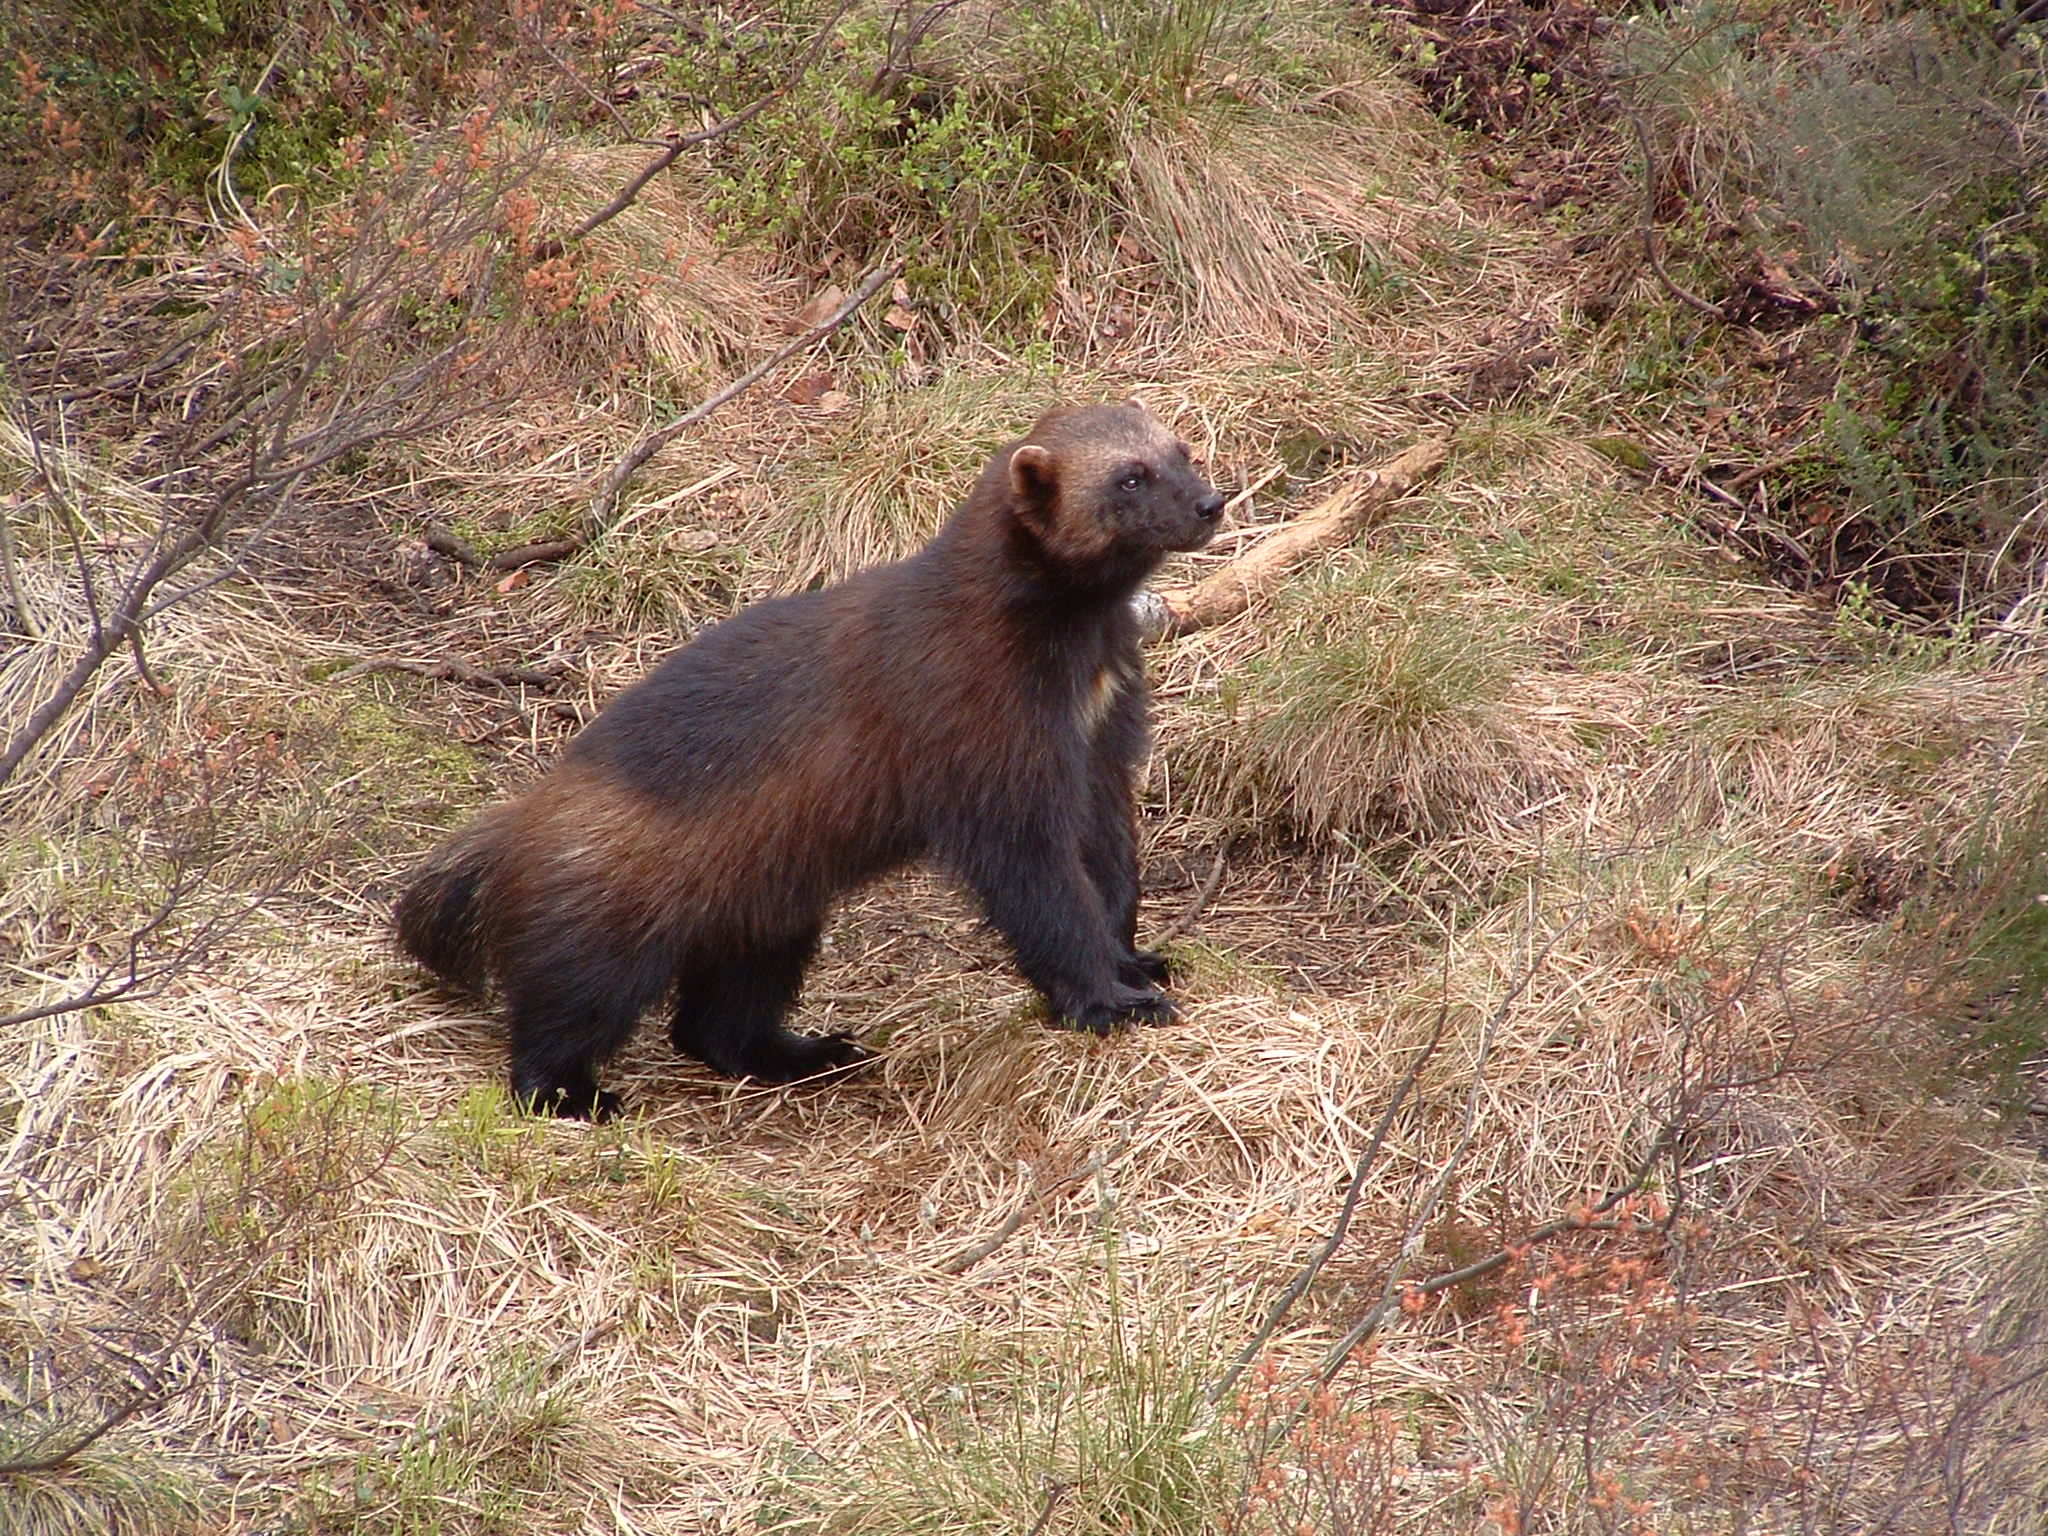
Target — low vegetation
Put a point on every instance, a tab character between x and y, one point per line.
1610	899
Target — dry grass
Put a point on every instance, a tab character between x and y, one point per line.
672	302
1657	844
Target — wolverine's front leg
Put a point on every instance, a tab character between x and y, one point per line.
1111	838
1110	855
1039	895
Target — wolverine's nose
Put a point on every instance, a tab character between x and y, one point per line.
1210	506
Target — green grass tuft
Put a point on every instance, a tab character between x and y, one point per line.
1369	710
1110	1425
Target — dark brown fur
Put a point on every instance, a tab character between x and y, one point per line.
981	705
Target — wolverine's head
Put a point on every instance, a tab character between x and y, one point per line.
1109	487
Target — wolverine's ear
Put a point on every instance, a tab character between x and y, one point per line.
1031	475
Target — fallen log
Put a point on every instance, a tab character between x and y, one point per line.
1234	587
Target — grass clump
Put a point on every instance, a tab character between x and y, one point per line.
988	149
1102	1429
108	1489
990	144
481	1465
1367	711
1982	922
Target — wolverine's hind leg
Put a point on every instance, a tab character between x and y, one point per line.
729	1012
570	1010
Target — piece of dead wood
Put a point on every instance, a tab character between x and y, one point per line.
453	670
1233	588
447	544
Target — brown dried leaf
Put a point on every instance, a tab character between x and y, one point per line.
809	389
820	308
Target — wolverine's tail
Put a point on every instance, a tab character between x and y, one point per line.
437	915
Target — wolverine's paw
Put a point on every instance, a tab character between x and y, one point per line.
1130	1006
788	1058
1153	1007
1145	967
568	1103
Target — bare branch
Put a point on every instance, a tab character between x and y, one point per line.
606	500
294	417
1341	1352
142	1401
128	977
904	41
554	246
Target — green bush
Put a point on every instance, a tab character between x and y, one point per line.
982	151
1879	166
119	105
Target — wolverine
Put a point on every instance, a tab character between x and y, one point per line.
980	706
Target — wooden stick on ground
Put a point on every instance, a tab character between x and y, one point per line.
1233	588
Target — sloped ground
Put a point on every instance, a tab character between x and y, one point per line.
1532	849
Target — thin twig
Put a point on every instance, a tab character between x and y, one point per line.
605	502
149	1393
1580	1221
110	1421
1342	1227
1649	226
1054	1492
10	570
135	980
1180	925
1334	1360
966	1258
463	553
897	56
